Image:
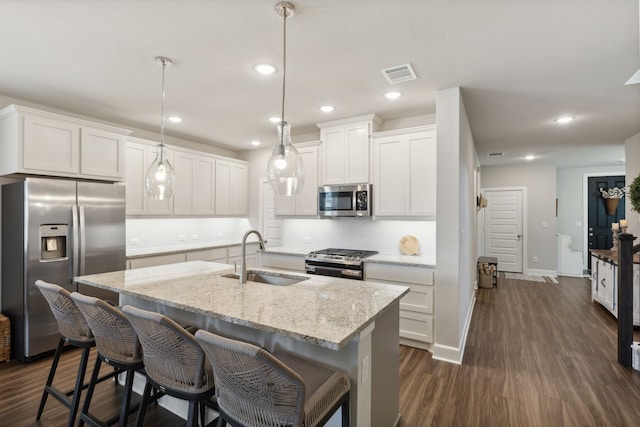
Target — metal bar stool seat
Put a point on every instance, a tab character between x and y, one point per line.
74	331
175	363
259	389
118	346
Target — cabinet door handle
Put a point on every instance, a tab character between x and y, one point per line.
602	282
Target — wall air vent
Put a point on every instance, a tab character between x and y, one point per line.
495	154
400	73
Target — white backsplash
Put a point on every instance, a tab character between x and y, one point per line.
151	232
358	233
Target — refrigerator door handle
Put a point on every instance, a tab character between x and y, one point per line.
75	261
82	263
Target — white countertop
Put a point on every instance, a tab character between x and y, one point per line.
381	258
181	247
326	311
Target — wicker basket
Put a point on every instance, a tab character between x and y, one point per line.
5	338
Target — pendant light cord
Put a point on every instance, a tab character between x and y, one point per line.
284	72
164	66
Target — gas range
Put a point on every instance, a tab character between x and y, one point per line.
335	262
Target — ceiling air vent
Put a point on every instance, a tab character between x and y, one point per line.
400	73
495	154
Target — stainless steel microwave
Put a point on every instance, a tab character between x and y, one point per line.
344	200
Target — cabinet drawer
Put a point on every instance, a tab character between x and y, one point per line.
398	273
216	255
252	261
237	250
416	326
285	262
157	260
419	298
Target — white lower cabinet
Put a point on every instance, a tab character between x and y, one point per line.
282	261
252	258
604	286
154	260
416	308
226	255
213	255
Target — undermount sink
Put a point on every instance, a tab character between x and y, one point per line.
269	278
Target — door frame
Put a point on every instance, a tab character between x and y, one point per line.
585	209
525	259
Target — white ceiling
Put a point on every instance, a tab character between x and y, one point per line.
521	63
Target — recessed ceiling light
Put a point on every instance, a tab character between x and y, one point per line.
564	119
255	143
275	120
393	95
265	68
529	157
327	108
174	119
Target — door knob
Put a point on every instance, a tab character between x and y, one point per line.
519	236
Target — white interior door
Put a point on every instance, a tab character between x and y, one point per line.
271	227
503	228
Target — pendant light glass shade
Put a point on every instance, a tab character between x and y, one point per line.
160	177
285	169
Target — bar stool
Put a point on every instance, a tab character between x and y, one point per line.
74	331
256	388
117	345
174	362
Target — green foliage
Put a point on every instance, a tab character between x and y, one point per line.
634	194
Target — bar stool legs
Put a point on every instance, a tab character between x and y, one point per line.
70	399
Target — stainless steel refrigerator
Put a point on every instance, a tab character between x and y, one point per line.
54	230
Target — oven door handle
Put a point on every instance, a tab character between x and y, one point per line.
324	270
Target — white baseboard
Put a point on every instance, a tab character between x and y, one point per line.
534	272
455	354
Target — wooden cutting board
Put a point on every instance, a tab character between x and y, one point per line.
409	245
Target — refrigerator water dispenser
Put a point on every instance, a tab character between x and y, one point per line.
53	242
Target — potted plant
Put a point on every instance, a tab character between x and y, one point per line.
611	198
634	194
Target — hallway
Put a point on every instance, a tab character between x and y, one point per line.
538	354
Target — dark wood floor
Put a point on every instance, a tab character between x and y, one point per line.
538	354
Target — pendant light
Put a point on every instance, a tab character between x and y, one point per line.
160	178
285	168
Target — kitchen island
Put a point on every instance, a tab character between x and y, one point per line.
350	325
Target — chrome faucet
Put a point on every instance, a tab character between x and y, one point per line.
243	264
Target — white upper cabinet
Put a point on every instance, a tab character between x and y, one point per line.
40	143
231	189
140	155
305	203
205	184
183	195
404	172
345	149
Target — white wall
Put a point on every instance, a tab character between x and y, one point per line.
152	232
358	233
456	227
540	181
632	166
570	193
153	135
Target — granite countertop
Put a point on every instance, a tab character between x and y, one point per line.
181	248
612	256
381	258
322	310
